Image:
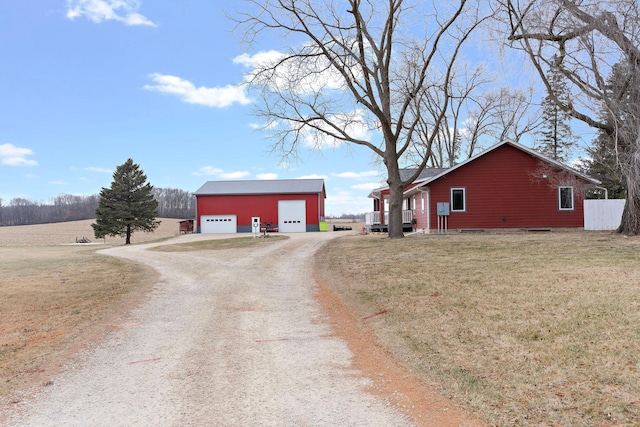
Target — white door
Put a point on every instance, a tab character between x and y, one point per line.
221	224
292	216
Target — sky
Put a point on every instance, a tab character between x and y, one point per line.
87	84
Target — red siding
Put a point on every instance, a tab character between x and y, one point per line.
500	193
263	205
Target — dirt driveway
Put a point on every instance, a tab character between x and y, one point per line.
226	338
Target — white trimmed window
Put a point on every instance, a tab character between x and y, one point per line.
565	198
458	200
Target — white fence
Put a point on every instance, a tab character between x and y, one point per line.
603	214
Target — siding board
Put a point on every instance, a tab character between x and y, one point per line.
503	192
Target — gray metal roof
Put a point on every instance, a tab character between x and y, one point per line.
405	174
276	186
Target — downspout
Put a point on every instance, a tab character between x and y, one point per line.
197	224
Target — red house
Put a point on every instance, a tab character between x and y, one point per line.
506	186
294	205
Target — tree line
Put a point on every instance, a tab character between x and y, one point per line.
172	203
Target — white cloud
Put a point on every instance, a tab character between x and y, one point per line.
208	171
234	175
580	163
368	186
312	176
98	170
296	74
260	59
352	124
220	173
11	155
218	97
125	11
356	175
267	176
306	75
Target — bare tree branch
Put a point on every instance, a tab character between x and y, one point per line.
355	68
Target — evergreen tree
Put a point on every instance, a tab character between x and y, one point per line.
605	167
606	156
127	206
556	139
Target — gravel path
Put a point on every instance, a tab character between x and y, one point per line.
226	338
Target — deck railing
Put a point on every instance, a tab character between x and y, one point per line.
373	218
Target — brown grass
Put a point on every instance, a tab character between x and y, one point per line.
525	329
219	244
56	298
53	302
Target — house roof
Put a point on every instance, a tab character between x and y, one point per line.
435	173
277	186
426	173
406	173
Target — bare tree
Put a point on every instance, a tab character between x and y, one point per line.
453	140
476	118
583	40
357	67
511	114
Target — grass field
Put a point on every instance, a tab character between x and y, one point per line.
519	328
57	297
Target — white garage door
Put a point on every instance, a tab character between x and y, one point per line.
292	216
218	224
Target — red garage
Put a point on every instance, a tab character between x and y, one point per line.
288	205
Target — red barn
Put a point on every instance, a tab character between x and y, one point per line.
506	186
294	205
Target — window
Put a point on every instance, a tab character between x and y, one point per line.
458	200
565	198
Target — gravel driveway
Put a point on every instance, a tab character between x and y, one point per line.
226	338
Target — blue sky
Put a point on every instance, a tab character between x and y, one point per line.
87	84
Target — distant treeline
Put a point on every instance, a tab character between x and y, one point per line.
172	203
354	217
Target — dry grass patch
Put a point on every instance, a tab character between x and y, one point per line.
53	302
525	329
231	243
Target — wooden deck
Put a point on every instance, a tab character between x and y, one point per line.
384	228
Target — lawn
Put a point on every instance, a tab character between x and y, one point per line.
56	300
518	328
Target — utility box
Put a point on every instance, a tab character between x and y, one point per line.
443	208
255	224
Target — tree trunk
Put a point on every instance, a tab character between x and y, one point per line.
395	201
128	238
630	224
630	165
